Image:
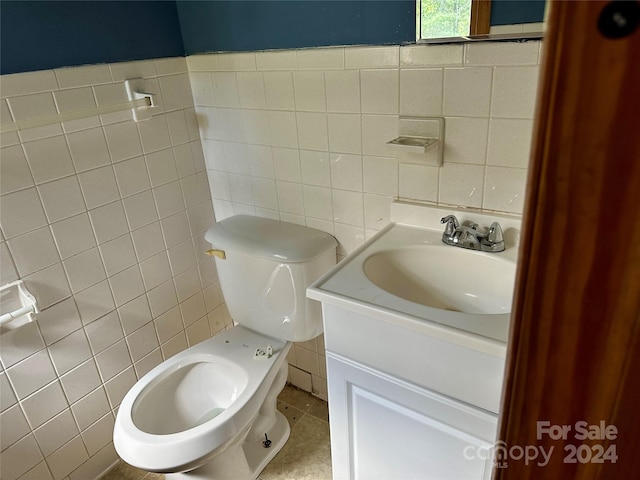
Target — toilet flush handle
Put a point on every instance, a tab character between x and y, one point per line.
216	253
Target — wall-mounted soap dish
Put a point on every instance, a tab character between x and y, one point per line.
420	140
412	144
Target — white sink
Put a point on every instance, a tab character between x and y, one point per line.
445	277
406	275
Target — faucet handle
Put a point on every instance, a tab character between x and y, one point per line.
450	219
495	233
452	223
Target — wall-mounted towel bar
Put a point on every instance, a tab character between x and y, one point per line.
139	103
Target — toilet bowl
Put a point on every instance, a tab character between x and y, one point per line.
209	412
202	400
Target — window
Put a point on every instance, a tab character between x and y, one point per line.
456	20
445	18
453	18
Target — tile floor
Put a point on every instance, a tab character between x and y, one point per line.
305	456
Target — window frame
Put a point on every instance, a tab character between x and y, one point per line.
480	17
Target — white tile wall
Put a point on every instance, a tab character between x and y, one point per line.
421	93
96	216
348	108
328	115
117	209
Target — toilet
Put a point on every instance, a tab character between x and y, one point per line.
209	412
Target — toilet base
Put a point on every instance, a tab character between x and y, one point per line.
243	461
259	456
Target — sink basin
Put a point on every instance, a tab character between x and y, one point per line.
405	276
444	277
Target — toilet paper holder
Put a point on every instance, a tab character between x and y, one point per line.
20	302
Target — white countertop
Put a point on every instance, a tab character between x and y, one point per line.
347	286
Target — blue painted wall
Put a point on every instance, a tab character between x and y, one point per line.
262	25
235	25
37	35
506	12
40	35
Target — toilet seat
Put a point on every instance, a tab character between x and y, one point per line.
157	430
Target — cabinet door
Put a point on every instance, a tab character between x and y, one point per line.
383	428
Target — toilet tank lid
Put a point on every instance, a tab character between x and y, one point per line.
263	237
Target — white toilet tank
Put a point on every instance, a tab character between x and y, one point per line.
267	268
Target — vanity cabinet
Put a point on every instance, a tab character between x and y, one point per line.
415	334
385	428
408	404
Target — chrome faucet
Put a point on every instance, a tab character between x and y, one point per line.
469	237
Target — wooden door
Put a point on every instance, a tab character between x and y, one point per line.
574	353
